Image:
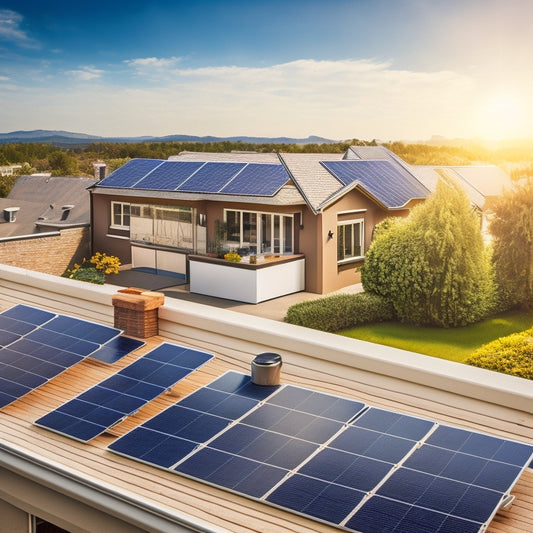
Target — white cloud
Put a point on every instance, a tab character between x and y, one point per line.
337	99
10	29
86	73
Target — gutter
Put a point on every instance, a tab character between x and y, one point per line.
30	236
131	509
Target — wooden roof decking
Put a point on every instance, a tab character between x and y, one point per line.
219	507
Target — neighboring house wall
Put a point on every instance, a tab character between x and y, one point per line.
51	254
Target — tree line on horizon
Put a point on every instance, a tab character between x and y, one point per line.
516	159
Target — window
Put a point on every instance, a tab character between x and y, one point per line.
120	215
260	232
350	240
163	225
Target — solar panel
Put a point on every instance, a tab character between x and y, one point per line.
129	174
211	177
330	458
110	401
169	175
36	346
116	348
391	184
257	180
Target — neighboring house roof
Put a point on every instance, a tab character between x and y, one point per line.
52	202
293	178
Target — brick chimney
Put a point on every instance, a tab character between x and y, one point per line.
136	311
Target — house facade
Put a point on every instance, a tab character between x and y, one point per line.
317	211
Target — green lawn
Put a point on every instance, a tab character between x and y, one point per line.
454	344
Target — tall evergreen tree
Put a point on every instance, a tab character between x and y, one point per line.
433	265
512	229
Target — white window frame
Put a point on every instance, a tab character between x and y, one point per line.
259	229
354	222
122	215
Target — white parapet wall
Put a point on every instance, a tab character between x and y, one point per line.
373	365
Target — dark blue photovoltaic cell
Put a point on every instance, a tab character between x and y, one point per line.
462	467
6	337
62	342
390	183
381	515
257	180
391	423
169	175
440	494
211	177
480	445
15	326
129	174
28	314
120	395
237	383
232	472
115	349
82	329
316	498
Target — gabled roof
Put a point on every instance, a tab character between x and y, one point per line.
53	202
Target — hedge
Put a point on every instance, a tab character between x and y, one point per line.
510	355
341	311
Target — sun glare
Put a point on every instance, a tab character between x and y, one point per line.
502	117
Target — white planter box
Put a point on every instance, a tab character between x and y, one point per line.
244	282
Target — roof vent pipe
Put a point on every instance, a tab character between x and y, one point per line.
10	214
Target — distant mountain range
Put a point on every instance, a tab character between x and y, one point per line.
68	139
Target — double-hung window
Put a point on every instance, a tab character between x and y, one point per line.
120	215
350	240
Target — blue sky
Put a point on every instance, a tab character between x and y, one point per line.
384	69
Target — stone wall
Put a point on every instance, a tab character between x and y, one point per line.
50	254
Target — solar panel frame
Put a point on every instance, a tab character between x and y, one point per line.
124	393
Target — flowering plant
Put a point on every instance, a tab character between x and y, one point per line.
95	269
232	256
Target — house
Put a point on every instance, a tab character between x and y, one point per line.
50	480
306	220
45	223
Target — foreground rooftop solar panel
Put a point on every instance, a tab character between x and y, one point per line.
332	459
37	345
104	405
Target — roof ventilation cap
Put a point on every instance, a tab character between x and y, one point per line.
10	214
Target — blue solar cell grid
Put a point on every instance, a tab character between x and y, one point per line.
211	177
36	346
330	458
129	174
389	183
169	175
104	405
257	180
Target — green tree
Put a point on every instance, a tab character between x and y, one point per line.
433	265
512	229
63	164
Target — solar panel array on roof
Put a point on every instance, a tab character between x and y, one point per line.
250	179
36	345
109	402
389	183
332	459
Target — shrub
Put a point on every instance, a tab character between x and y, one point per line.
510	355
340	311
